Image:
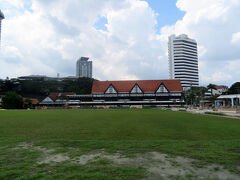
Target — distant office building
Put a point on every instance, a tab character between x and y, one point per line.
1	18
46	78
84	67
34	77
183	60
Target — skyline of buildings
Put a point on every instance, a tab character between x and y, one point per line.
183	60
84	67
1	18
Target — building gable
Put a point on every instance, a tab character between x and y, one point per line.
162	89
47	99
111	90
136	89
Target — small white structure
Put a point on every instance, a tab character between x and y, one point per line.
231	100
219	90
47	100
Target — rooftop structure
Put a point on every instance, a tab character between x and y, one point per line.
34	77
46	78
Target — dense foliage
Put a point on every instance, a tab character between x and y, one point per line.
194	95
11	100
234	89
41	88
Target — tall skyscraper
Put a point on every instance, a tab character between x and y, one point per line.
84	67
183	60
1	18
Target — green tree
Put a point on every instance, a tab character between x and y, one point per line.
12	100
27	103
234	89
194	95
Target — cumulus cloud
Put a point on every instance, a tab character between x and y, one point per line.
213	23
56	33
47	37
235	38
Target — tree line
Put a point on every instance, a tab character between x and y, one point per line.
41	88
14	90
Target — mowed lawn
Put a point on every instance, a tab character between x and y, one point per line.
136	125
210	139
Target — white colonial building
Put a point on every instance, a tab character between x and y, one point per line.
183	60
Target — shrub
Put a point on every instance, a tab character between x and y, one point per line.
11	100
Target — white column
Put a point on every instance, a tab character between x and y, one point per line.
232	100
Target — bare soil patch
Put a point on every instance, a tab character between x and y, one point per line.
159	165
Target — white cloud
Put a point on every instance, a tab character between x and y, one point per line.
212	23
217	77
50	36
14	3
235	38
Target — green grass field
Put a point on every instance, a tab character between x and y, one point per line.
209	139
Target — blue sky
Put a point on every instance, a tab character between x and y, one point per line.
120	37
168	14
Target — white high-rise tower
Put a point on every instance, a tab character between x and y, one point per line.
84	67
183	60
1	18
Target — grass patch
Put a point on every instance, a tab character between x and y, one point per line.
210	139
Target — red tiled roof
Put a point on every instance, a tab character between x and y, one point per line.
221	87
146	85
54	95
33	100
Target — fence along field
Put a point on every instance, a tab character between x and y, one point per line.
111	144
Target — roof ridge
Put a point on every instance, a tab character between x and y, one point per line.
146	85
140	80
